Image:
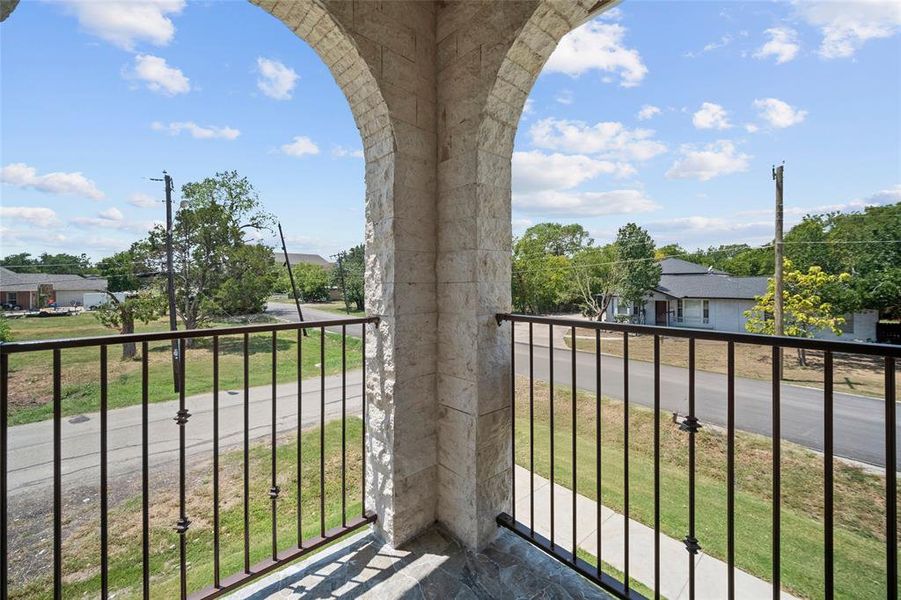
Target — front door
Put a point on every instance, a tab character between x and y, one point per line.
660	312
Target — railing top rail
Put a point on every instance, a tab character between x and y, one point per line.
716	336
165	336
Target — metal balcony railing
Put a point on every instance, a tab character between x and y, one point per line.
525	525
220	582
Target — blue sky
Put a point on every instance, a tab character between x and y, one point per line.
667	116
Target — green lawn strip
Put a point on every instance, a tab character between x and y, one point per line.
81	549
616	573
80	372
859	554
339	308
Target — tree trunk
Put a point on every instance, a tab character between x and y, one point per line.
129	349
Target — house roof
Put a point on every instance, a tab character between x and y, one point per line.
10	281
297	258
677	266
712	285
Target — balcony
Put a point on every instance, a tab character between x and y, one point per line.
215	479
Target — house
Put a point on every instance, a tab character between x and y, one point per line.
297	258
692	295
36	290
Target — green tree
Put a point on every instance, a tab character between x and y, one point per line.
348	275
542	259
143	307
6	334
670	250
126	271
313	282
215	272
595	279
635	272
805	311
69	264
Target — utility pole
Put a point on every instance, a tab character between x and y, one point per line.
339	258
170	276
291	277
779	328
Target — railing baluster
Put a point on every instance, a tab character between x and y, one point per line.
246	453
183	522
343	426
145	473
691	542
300	338
513	414
363	436
531	433
626	461
4	468
657	466
777	471
216	565
57	479
597	445
730	468
828	472
273	487
575	479
551	356
322	431
104	474
891	481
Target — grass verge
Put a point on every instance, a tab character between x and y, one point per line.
859	495
31	387
81	546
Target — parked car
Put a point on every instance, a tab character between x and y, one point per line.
10	306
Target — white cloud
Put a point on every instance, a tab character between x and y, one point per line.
75	184
342	152
301	145
706	231
142	200
648	111
565	97
607	139
709	161
751	128
597	46
158	76
847	26
201	133
536	170
889	196
777	113
528	108
715	45
584	204
711	116
33	215
782	44
125	24
112	218
276	80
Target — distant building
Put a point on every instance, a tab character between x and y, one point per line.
35	290
297	258
699	297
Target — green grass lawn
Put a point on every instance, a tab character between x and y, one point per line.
859	496
30	384
81	546
338	307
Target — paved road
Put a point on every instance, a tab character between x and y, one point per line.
858	424
288	312
31	445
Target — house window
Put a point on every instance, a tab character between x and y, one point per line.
12	298
848	325
680	310
693	310
706	311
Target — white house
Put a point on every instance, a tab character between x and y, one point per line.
699	297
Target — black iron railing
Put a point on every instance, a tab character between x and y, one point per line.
220	582
566	550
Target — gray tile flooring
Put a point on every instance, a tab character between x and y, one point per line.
431	566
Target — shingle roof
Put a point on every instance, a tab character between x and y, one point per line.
10	281
297	258
677	266
712	285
